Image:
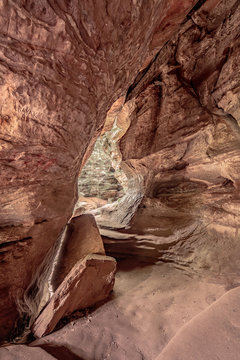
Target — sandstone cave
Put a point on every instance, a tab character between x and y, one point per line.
120	179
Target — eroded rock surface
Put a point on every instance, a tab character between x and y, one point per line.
97	178
86	204
90	281
82	237
183	140
23	352
62	65
214	333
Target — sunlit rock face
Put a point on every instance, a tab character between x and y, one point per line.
97	178
62	66
184	141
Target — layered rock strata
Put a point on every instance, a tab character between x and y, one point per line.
183	140
97	178
62	65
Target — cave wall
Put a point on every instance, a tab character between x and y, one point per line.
62	65
184	141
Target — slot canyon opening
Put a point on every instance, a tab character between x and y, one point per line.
128	249
109	190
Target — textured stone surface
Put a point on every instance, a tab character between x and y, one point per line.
213	334
86	204
183	141
82	238
97	178
23	352
62	65
150	304
90	281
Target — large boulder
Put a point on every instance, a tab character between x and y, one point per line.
90	281
82	237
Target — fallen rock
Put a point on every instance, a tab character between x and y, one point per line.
90	281
82	238
151	303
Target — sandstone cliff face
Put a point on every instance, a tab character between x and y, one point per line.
184	142
62	65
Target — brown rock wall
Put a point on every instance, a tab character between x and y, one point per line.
62	65
184	142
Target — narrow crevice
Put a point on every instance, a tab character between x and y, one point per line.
9	226
196	7
13	242
150	67
41	221
139	77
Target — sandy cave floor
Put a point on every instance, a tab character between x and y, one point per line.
150	304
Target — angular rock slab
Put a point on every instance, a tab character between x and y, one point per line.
90	281
82	238
85	237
